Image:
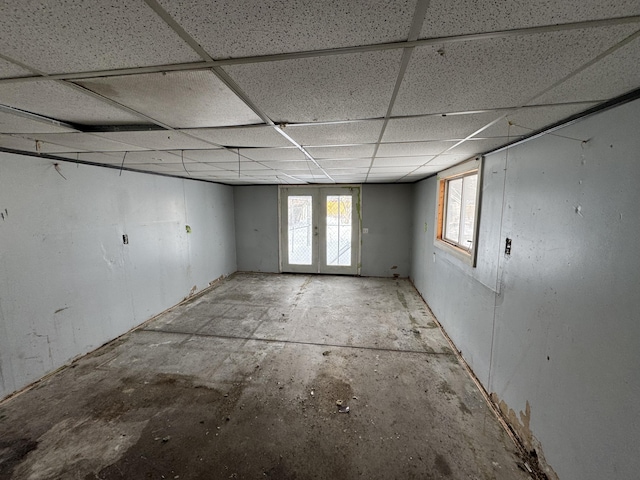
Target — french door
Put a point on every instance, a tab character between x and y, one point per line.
320	229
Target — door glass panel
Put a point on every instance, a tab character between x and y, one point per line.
339	230
300	230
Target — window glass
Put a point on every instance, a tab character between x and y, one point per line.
457	213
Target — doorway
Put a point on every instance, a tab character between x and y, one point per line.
320	230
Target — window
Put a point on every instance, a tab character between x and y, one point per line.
458	202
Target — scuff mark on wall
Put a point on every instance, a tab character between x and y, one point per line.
60	310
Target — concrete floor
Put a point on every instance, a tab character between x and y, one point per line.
242	382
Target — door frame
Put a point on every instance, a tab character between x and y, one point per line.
323	190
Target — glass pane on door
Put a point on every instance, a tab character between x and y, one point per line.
339	228
300	233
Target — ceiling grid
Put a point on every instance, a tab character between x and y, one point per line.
294	91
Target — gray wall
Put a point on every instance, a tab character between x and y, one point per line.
68	283
386	212
256	222
553	331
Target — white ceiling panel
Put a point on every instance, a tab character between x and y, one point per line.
401	161
212	156
412	149
347	171
16	124
273	154
447	160
425	171
231	28
437	127
298	165
19	142
58	101
397	170
340	87
83	35
615	75
188	99
254	136
83	142
345	163
154	157
10	69
446	18
500	72
349	178
336	133
156	140
107	158
475	147
528	120
344	151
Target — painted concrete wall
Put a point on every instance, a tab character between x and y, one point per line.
256	222
68	283
553	330
386	212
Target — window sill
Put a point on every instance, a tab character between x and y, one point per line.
463	255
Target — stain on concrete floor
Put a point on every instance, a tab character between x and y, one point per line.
242	382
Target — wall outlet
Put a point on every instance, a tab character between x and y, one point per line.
365	230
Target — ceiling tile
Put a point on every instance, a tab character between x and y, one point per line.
275	154
614	75
84	35
336	133
254	136
411	149
17	124
345	163
10	69
154	157
108	158
475	147
83	142
212	156
19	142
401	161
446	160
299	165
56	100
446	18
179	99
349	178
527	120
395	170
231	28
346	151
425	171
156	140
347	171
499	72
436	127
340	87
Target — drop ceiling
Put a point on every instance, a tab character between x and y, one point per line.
302	91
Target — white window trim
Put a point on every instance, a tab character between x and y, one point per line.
468	257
